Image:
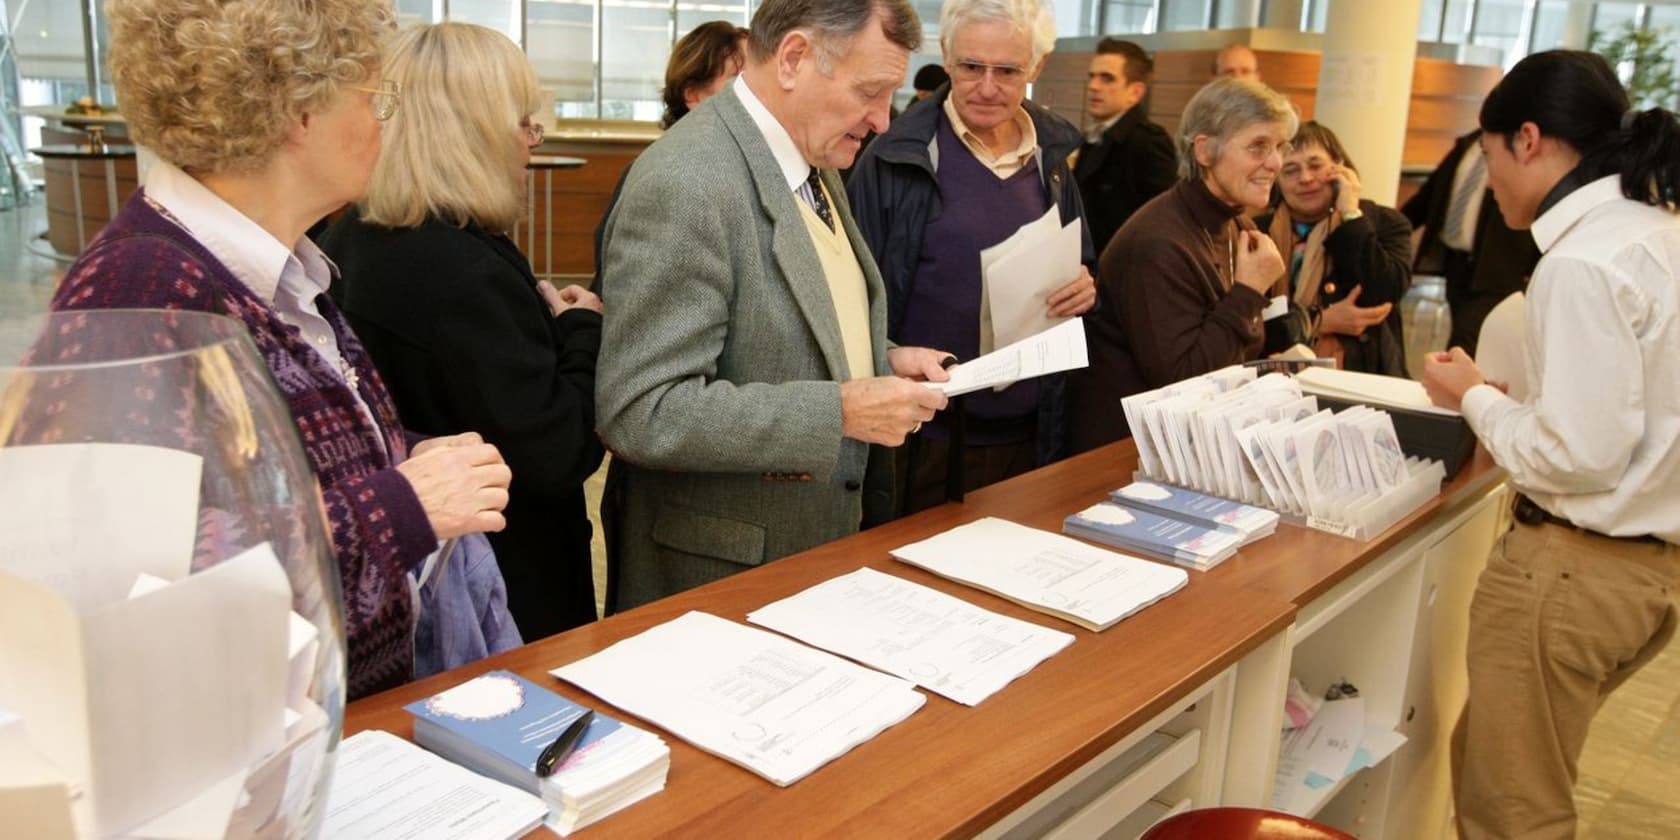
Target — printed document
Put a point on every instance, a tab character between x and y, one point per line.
1020	274
1057	349
387	787
769	704
1056	575
940	642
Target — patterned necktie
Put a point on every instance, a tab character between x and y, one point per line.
812	192
1474	182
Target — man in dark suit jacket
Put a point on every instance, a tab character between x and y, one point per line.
1126	160
1482	260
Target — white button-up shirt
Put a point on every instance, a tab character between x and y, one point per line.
289	279
1598	442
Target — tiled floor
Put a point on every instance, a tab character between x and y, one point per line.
1629	785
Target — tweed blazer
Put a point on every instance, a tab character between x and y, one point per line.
718	382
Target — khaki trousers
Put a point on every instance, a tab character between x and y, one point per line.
1560	618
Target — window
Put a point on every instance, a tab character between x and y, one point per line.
1129	17
1184	15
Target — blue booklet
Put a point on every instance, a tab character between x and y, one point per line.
1160	536
499	723
1198	508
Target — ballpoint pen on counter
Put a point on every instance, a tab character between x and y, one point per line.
556	753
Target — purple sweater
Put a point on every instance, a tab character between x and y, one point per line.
144	259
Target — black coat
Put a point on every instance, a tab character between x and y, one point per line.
1373	252
456	328
1500	259
1133	162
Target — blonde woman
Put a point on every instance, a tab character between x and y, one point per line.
266	117
453	317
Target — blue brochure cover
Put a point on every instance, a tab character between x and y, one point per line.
1151	533
499	723
1199	508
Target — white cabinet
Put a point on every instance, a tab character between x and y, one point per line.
1396	629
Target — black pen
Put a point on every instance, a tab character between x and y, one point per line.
557	752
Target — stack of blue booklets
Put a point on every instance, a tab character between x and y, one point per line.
499	723
1250	522
1154	535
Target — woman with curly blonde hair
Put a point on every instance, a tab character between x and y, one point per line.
266	116
454	318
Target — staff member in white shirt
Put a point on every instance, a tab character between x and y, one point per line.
1579	595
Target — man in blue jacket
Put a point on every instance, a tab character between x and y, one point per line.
949	179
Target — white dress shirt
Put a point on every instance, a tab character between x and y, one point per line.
1598	442
289	279
794	167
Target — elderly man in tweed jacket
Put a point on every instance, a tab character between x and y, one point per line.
744	369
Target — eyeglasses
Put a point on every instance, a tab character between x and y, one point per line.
384	98
1002	74
533	131
1261	150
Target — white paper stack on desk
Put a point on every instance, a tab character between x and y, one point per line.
1053	574
921	634
386	787
769	704
500	723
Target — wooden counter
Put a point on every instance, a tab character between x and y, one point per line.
954	771
85	187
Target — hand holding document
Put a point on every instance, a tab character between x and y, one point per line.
942	643
773	706
1018	275
1052	351
1053	574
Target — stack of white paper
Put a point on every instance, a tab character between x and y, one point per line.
941	643
771	705
1369	388
1053	574
1019	274
386	787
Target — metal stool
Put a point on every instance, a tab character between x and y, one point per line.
1241	824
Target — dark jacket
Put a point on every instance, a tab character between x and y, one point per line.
1133	162
1375	253
1500	259
894	193
1170	308
454	323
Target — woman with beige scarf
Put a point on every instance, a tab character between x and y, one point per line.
1348	260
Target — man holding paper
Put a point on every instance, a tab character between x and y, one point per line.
744	369
936	194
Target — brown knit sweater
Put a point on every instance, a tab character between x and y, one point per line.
1169	308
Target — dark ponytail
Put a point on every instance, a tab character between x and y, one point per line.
1574	96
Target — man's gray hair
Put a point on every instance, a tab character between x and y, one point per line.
1030	16
1221	109
831	24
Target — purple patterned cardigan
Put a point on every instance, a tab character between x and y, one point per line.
144	259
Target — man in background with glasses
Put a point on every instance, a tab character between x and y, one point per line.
951	178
